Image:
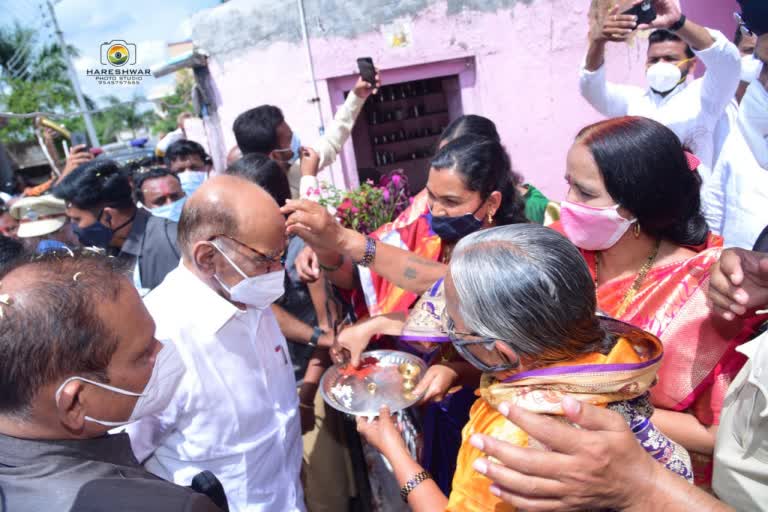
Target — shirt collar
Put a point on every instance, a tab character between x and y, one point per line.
112	449
209	310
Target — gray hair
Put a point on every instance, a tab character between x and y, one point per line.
529	286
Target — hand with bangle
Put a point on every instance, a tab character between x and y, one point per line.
384	435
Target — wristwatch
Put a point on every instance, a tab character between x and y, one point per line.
678	24
316	333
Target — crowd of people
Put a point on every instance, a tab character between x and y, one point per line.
164	327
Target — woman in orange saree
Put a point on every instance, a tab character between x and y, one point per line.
520	306
633	208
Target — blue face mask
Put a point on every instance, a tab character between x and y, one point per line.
191	181
451	229
95	235
295	147
170	211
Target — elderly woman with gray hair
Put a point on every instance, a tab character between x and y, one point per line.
520	307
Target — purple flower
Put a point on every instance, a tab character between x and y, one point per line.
396	179
385	194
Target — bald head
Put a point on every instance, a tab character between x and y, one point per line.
233	207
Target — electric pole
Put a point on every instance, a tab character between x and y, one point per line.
73	77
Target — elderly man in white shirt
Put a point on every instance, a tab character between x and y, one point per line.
692	110
235	412
734	199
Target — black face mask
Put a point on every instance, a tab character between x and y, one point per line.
451	229
97	234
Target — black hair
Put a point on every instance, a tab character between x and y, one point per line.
10	251
95	185
256	129
645	170
142	175
481	126
51	328
481	162
663	35
182	148
755	15
264	172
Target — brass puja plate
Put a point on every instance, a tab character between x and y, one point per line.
385	377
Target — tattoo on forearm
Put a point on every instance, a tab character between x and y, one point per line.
421	261
410	273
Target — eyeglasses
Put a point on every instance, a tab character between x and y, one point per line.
742	25
462	341
260	258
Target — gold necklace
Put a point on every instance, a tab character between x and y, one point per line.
629	296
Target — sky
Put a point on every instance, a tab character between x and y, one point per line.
86	24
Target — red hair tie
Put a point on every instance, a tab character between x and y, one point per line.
693	161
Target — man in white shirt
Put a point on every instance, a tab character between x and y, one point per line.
734	199
691	110
235	412
264	130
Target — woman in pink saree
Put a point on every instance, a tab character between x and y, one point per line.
633	208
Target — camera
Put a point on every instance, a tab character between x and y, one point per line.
118	53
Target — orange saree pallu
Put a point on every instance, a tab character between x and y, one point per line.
619	380
409	231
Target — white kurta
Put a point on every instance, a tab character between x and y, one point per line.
735	197
691	110
235	412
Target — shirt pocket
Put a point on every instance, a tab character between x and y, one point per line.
750	426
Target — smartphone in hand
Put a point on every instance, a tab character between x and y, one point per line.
367	70
644	11
79	138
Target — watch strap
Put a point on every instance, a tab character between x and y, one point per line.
678	24
316	333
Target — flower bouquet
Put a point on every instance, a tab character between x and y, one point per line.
369	206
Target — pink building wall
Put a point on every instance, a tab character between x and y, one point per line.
525	63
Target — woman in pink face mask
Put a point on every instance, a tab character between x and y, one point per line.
633	209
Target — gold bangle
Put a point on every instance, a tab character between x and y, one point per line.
306	406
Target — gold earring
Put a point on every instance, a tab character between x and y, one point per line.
637	230
490	217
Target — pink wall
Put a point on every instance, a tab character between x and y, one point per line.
526	64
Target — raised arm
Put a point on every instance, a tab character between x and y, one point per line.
337	131
609	99
337	247
715	50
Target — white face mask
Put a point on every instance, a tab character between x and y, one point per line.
663	76
259	292
191	181
170	211
750	68
753	121
157	394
